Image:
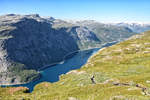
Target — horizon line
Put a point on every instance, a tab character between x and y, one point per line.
81	19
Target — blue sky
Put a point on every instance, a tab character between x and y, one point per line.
100	10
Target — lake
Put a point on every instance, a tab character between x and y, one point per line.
52	73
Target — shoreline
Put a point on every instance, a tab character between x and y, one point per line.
103	46
16	84
66	57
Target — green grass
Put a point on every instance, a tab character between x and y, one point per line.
126	62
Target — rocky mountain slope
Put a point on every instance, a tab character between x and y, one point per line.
104	32
30	42
119	72
107	32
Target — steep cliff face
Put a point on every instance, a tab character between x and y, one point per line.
28	43
84	37
37	44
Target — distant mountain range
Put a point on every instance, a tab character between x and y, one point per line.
135	27
29	42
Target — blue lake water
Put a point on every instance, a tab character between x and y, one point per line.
52	73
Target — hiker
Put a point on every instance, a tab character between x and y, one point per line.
92	79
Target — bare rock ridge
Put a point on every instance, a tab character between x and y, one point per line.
29	42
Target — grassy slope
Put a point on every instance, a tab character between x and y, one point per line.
126	64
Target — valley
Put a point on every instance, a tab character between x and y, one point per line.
111	61
120	72
30	42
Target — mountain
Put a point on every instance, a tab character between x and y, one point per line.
104	32
135	27
84	37
107	32
30	42
119	72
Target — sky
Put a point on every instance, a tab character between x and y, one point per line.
100	10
